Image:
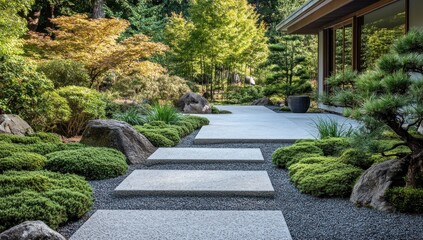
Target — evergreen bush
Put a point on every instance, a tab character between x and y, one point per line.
22	161
406	199
286	156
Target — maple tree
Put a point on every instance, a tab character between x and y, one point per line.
93	42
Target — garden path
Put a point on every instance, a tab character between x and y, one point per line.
242	191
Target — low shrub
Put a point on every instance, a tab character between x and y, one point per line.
332	146
40	195
285	156
328	179
216	110
196	122
187	125
47	137
65	73
40	148
157	139
312	159
10	138
22	161
356	158
92	163
406	199
166	113
169	133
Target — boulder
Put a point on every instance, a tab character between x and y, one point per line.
31	230
13	124
193	103
118	135
262	101
250	80
370	189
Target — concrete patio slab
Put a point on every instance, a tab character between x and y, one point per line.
196	183
206	155
258	124
184	225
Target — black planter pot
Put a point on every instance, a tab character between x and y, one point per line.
298	104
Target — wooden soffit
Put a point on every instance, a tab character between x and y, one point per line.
316	16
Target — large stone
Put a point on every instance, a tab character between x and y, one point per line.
262	102
31	230
184	225
206	155
370	189
118	135
13	124
193	103
196	183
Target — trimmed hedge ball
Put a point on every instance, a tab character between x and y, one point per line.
201	120
158	140
327	179
406	199
47	137
168	133
10	138
22	161
285	156
53	198
332	146
92	163
356	158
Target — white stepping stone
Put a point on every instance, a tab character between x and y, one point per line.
184	225
206	155
196	183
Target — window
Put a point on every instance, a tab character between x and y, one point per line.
378	30
343	42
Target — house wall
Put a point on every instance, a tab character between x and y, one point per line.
415	13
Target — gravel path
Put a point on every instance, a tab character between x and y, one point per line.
307	217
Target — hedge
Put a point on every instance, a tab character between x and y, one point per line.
22	161
406	199
90	162
285	156
356	158
332	146
40	195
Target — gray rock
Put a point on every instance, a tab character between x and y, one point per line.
31	230
262	102
250	80
370	189
193	103
13	124
118	135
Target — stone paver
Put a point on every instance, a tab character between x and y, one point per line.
196	183
206	155
258	124
184	225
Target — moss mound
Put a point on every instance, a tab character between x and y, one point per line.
326	179
40	195
22	161
285	156
406	199
92	163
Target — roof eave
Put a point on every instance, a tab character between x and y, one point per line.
283	25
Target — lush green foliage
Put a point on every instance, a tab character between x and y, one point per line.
330	127
47	137
131	116
12	25
92	163
238	94
216	110
357	157
65	73
22	161
325	178
406	199
332	146
168	133
166	113
39	195
284	156
85	104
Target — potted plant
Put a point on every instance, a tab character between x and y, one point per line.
299	103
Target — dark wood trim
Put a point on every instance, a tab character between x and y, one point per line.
314	14
407	16
355	46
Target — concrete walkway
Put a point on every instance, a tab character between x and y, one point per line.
245	124
258	124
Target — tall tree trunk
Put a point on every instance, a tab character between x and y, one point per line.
98	9
33	19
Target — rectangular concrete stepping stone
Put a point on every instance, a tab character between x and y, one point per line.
196	183
183	225
206	155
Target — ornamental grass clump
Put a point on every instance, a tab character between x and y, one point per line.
92	163
166	113
53	198
330	127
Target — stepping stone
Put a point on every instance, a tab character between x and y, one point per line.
206	155
196	183
184	225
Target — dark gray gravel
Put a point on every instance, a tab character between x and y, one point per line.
307	217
